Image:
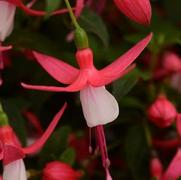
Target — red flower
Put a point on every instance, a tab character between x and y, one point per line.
137	10
11	151
99	106
162	112
60	171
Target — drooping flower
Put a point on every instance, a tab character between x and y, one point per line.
137	10
99	106
162	112
57	170
12	153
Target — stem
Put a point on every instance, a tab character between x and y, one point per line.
148	134
72	16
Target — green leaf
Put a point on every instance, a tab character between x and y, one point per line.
68	156
93	23
125	84
56	144
136	152
52	5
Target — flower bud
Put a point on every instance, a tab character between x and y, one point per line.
171	62
156	168
7	13
162	112
60	171
137	10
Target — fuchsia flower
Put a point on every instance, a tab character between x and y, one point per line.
99	106
60	171
162	112
12	153
173	172
137	10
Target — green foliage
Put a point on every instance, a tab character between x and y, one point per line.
52	5
68	156
93	23
55	145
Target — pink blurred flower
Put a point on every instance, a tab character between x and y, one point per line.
170	66
174	169
137	10
156	168
60	171
173	172
162	112
175	81
12	153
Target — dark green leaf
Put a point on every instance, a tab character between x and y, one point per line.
125	84
68	156
93	23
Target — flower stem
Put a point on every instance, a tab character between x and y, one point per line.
80	36
72	16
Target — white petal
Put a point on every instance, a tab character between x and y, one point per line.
15	171
99	106
7	13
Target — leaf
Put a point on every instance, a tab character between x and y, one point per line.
52	5
93	23
136	152
68	156
125	84
56	144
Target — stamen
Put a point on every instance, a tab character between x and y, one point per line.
108	176
90	141
103	149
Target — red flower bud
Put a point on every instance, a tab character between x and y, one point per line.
60	171
137	10
162	112
156	168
